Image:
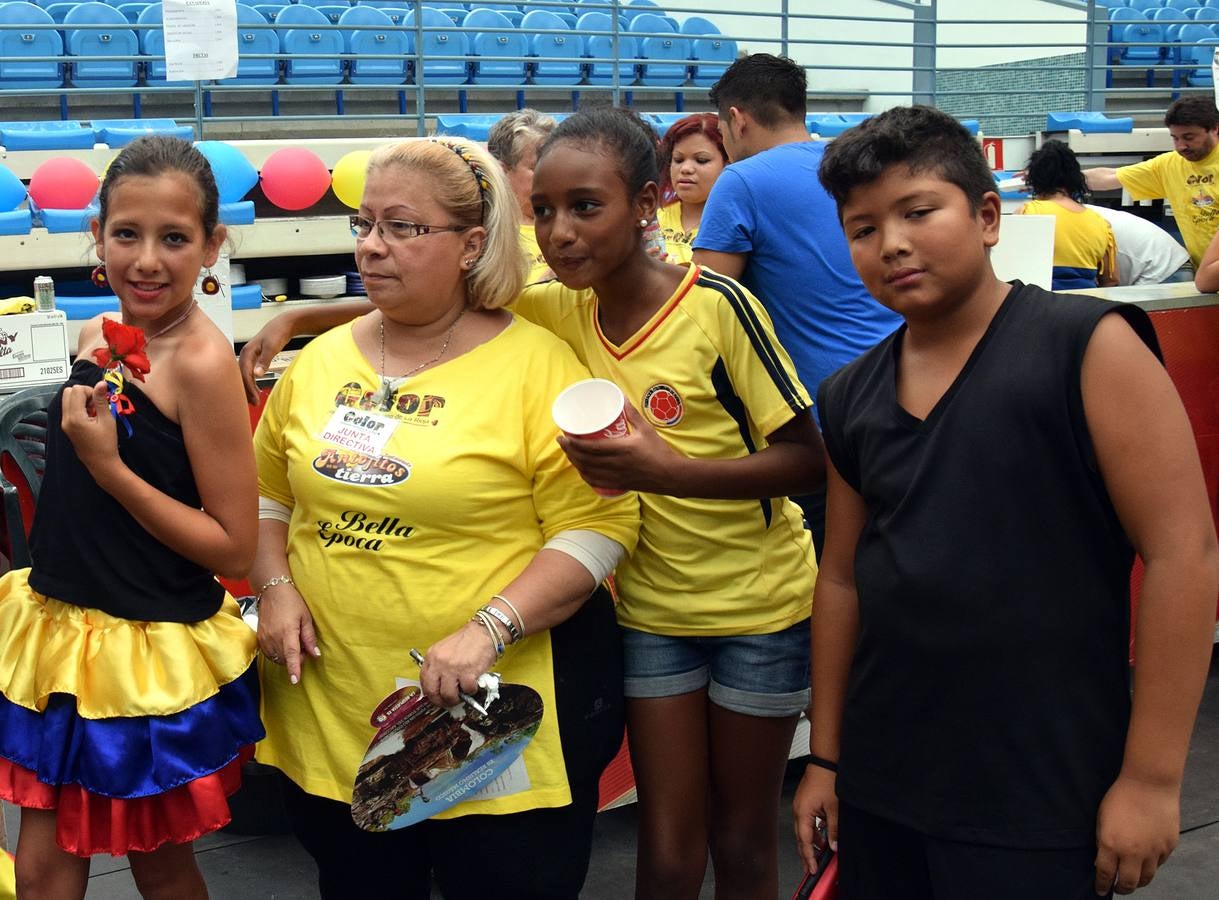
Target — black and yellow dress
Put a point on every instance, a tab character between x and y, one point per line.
128	695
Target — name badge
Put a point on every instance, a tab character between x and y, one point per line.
359	430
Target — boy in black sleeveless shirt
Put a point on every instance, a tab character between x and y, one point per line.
995	463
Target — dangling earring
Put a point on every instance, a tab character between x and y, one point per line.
99	278
210	285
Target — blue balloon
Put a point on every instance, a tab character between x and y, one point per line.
233	172
12	191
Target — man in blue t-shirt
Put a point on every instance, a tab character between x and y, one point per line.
769	223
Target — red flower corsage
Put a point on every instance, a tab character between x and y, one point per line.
125	346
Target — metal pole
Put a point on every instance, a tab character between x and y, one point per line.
420	102
615	53
783	10
198	110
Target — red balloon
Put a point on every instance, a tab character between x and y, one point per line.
63	183
294	178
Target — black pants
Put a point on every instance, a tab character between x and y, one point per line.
881	860
539	854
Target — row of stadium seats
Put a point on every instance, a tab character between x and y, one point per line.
306	47
1166	35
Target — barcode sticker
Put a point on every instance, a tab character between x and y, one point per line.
13	372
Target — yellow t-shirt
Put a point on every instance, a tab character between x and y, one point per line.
1190	188
678	242
397	550
538	268
1082	238
707	371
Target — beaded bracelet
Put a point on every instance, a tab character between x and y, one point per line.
512	608
502	618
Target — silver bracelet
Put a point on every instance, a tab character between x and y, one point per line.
513	632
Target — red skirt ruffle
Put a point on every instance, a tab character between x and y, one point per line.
88	823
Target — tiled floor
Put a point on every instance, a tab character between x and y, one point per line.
275	868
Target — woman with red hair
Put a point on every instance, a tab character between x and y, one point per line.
691	158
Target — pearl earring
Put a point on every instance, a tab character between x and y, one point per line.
643	223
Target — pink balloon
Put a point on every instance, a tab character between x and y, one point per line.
294	178
63	183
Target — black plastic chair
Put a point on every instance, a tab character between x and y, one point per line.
23	439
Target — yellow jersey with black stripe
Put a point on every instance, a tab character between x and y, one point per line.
708	373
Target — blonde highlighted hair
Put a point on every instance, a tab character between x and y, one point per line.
470	185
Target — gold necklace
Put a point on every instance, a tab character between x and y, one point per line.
384	397
174	324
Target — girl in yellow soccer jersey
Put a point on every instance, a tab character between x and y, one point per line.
715	600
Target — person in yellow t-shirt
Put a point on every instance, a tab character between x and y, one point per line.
451	499
514	141
715	601
1185	176
1085	253
692	156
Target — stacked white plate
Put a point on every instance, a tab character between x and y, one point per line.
324	286
273	287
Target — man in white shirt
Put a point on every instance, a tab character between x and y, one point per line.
1146	253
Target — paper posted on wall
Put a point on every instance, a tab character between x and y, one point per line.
200	39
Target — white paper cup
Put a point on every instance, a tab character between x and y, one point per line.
593	410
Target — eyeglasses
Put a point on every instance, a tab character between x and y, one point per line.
394	231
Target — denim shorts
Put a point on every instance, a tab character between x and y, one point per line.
754	674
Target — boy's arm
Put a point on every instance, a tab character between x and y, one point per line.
259	350
792	464
835	629
1147	456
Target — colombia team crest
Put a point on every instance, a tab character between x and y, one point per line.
663	405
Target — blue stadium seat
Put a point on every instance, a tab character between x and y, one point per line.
270	9
1201	55
569	18
252	40
496	37
662	122
380	51
320	3
602	45
439	39
833	124
1088	123
473	126
973	126
50	135
637	8
121	132
333	11
665	60
1145	32
457	14
86	44
395	9
698	25
19	221
59	11
569	70
1179	5
712	55
311	54
131	11
40	39
1144	6
152	44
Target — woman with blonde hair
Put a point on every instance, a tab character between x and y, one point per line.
476	519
